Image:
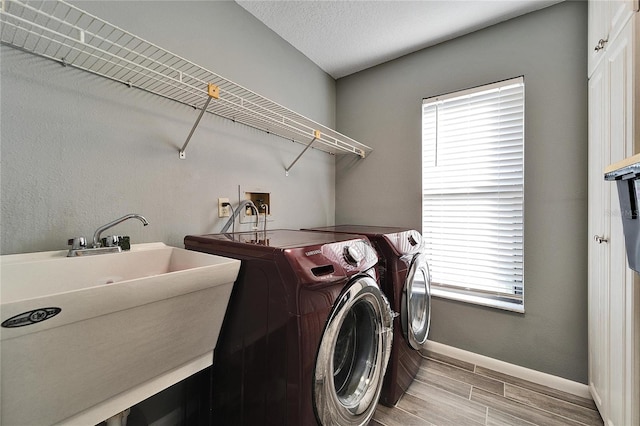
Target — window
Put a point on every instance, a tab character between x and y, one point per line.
473	193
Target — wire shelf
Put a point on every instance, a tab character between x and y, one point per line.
71	36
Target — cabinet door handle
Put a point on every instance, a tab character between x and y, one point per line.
600	239
601	44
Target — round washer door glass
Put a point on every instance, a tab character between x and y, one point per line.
353	355
416	302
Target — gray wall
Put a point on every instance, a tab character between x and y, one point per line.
381	107
79	151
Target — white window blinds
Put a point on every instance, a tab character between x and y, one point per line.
473	193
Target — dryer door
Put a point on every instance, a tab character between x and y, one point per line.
416	302
353	355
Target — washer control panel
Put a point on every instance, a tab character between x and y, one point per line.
328	262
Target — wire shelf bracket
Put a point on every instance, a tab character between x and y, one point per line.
64	33
316	136
214	93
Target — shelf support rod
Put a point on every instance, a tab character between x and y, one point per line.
214	92
316	135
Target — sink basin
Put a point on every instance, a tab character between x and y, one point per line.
79	331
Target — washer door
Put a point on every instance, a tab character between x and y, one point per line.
416	302
353	355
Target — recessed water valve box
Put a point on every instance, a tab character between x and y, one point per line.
262	201
261	197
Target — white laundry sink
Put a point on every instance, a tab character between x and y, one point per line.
77	331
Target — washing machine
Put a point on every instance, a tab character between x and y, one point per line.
307	333
405	280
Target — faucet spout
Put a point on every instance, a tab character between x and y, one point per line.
100	230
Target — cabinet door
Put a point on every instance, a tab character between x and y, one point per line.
598	22
599	193
620	67
606	20
614	307
613	296
619	13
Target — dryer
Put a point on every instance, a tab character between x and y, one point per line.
406	281
307	334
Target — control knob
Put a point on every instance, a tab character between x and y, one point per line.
414	238
353	255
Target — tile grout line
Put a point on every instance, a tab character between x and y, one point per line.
551	412
409	413
504	395
557	397
582	407
486	408
463	381
555	393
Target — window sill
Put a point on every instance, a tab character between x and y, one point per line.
492	302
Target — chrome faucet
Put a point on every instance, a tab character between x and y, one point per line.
100	230
79	244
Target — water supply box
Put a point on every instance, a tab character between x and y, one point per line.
626	174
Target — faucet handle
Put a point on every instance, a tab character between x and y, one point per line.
122	241
109	241
125	242
77	243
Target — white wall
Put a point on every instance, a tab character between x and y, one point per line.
381	107
79	151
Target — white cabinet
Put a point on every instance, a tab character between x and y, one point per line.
599	196
606	20
614	289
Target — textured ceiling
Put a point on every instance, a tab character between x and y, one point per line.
343	37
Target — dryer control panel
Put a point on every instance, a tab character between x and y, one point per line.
405	243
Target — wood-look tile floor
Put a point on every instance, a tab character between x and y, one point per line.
451	392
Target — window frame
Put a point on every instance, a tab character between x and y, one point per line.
501	300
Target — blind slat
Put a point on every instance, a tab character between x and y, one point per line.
473	190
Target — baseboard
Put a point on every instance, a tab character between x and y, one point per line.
524	373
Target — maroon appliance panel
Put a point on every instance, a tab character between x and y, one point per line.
265	355
396	247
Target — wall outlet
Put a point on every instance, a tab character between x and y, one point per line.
223	211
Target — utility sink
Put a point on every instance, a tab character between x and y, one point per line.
79	331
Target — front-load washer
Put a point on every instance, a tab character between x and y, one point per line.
307	333
405	280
